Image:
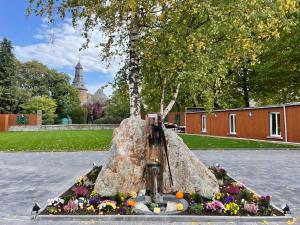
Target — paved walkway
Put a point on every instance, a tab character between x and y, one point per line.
26	177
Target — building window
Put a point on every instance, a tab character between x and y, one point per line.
275	124
232	123
203	123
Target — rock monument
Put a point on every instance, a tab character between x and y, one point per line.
124	171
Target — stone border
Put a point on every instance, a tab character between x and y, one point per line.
64	127
167	218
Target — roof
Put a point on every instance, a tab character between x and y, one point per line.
98	97
195	109
78	66
201	109
78	81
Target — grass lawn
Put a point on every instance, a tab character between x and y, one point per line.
196	142
101	139
55	140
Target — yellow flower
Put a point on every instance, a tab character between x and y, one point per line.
156	210
93	194
218	196
179	206
291	221
133	194
90	208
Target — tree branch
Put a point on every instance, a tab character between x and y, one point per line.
172	102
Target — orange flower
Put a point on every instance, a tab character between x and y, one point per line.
131	203
179	195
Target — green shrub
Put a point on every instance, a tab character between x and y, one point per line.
108	120
194	197
44	103
78	115
246	194
121	197
196	209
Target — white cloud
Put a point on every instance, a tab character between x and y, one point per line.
58	47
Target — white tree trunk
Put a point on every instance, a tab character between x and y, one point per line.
171	103
134	70
162	100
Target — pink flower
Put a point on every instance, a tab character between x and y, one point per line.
251	208
80	191
235	188
215	206
71	207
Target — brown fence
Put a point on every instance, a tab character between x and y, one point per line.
7	120
173	118
4	120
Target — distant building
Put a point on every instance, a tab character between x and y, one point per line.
86	98
78	83
273	122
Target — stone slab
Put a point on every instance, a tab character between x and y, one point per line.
64	127
166	218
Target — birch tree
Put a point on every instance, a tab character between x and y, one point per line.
173	39
124	22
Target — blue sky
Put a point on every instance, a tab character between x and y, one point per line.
54	45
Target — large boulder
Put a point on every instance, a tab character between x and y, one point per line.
124	170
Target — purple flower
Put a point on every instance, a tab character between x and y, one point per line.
122	210
228	198
95	201
265	197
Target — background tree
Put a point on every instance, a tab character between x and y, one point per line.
8	78
208	48
276	79
79	115
167	42
44	103
36	79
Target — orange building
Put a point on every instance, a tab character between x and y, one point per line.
276	122
176	118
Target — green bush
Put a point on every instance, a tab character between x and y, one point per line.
194	197
44	103
78	115
108	120
196	209
246	194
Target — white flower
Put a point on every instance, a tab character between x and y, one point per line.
55	202
49	202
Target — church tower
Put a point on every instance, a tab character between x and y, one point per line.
78	83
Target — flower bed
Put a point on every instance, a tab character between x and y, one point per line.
234	199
